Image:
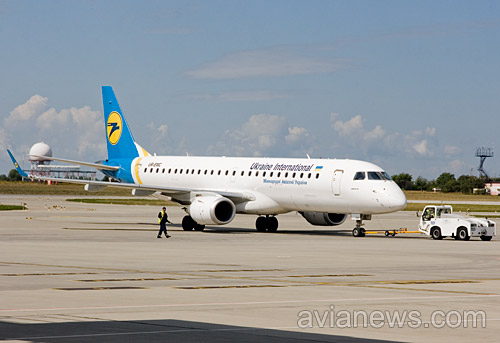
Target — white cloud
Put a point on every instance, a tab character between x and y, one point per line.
378	141
26	111
264	135
421	148
72	132
452	150
347	128
430	131
272	62
296	135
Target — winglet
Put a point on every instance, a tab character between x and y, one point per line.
18	168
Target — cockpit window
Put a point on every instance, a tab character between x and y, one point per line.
386	176
375	176
359	176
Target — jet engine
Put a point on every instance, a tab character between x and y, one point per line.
212	210
324	218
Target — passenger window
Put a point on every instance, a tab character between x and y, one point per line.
227	172
271	175
199	171
301	175
212	172
286	175
309	176
234	173
242	173
317	176
249	173
264	174
359	176
157	170
279	174
145	170
293	175
151	170
218	173
257	173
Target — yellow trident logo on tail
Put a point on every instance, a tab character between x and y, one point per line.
114	127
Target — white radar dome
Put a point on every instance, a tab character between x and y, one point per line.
40	149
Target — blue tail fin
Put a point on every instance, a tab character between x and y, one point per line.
18	168
119	139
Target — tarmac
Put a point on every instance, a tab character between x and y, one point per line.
73	272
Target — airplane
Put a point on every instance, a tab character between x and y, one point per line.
214	189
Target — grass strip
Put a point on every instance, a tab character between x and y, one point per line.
40	188
11	207
458	207
438	196
149	202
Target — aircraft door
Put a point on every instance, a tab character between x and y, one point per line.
337	177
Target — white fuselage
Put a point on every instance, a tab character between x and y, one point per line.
278	185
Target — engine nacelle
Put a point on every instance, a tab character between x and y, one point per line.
212	210
324	218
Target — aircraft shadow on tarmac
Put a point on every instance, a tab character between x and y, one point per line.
168	330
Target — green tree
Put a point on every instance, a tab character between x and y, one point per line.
468	183
421	184
447	183
4	177
14	175
404	181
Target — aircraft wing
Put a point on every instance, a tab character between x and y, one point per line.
174	192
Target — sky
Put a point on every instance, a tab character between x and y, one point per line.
412	86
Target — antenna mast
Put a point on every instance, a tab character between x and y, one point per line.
483	153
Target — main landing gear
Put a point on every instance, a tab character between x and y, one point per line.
189	224
358	231
267	223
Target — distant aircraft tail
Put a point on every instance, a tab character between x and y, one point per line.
120	141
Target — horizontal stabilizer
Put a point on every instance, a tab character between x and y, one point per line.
85	164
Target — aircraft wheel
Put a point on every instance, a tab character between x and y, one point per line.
187	223
436	233
260	224
199	227
272	224
387	233
358	232
462	234
486	238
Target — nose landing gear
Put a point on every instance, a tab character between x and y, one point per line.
358	231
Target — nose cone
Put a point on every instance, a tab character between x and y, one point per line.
396	199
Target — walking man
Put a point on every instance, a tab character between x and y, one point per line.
163	220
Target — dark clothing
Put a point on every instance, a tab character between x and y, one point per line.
163	224
163	229
164	218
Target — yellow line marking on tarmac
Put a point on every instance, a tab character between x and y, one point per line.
48	274
97	288
422	290
139	279
229	286
330	275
